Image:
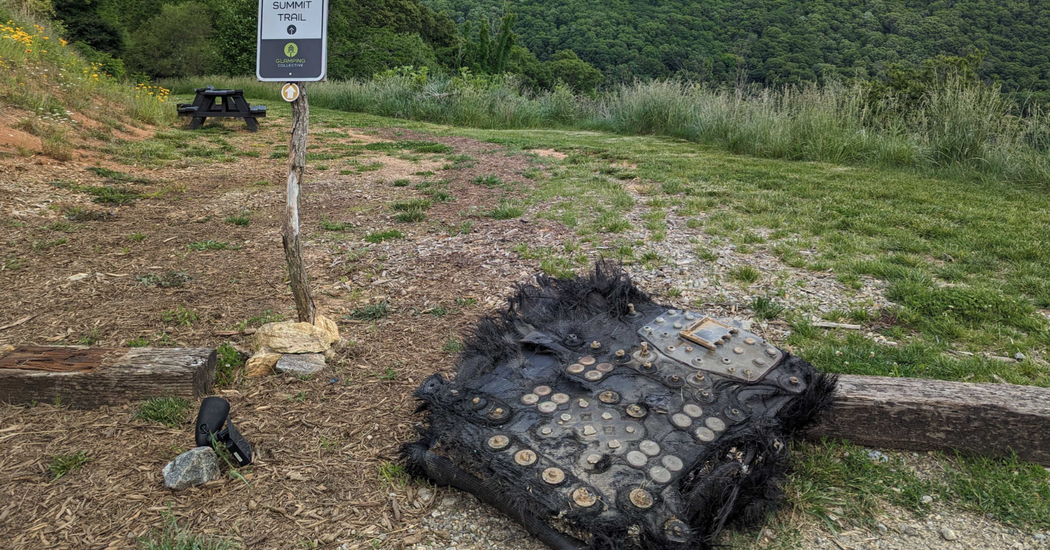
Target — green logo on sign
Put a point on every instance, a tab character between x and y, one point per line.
290	49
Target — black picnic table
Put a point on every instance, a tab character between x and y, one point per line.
221	103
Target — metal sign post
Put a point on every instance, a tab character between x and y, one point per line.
293	47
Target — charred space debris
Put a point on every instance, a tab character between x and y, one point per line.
599	419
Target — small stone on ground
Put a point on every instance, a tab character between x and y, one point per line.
303	364
193	467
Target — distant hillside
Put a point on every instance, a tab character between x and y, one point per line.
779	41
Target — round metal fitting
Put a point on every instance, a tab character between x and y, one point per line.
525	457
594	458
453	393
546	431
672	312
738	350
648	366
584	498
672	463
650	448
620	354
749	341
675	381
660	474
693	410
689	349
715	424
604	368
560	398
726	361
565	417
583	403
677	325
576	368
772	352
596	345
478	403
759	362
660	320
735	415
629	429
609	397
637	459
733	331
607	416
642	499
690	316
698	379
676	530
593	375
705	396
547	407
587	360
681	420
704	434
614	444
542	391
498	413
793	380
553	476
499	442
530	399
589	430
671	349
645	349
635	410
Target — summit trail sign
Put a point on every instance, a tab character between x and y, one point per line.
293	41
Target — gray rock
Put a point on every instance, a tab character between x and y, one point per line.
193	467
881	527
878	456
1019	356
301	364
926	499
1039	536
948	534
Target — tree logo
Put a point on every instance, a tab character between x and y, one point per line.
290	49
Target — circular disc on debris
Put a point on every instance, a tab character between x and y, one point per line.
637	459
542	391
553	476
693	410
587	361
604	367
530	399
715	424
660	474
593	375
547	407
642	499
576	368
704	434
525	457
499	442
681	420
635	410
672	463
583	497
560	398
609	397
650	448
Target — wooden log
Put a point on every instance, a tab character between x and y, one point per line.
91	377
921	415
293	248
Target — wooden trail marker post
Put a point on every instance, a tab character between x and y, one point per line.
292	47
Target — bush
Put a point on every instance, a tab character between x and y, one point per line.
174	43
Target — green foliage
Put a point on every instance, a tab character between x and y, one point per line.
765	308
208	245
170	411
506	210
372	312
381	236
227	361
746	274
173	43
179	316
61	465
173	537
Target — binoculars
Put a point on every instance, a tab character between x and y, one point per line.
214	413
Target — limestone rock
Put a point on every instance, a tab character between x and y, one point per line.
295	337
303	364
193	467
261	363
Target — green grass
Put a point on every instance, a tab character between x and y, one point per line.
746	274
116	196
329	225
506	210
179	316
208	245
487	181
240	220
380	236
117	176
765	308
372	312
173	537
394	475
228	361
61	465
170	411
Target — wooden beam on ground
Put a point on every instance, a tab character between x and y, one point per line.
86	378
923	415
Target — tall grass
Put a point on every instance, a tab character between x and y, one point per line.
961	128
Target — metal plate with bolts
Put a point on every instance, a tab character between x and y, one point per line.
713	345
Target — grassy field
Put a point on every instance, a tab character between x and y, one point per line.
960	130
964	260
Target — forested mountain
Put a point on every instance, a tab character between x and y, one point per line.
778	41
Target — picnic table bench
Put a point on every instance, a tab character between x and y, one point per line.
210	102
